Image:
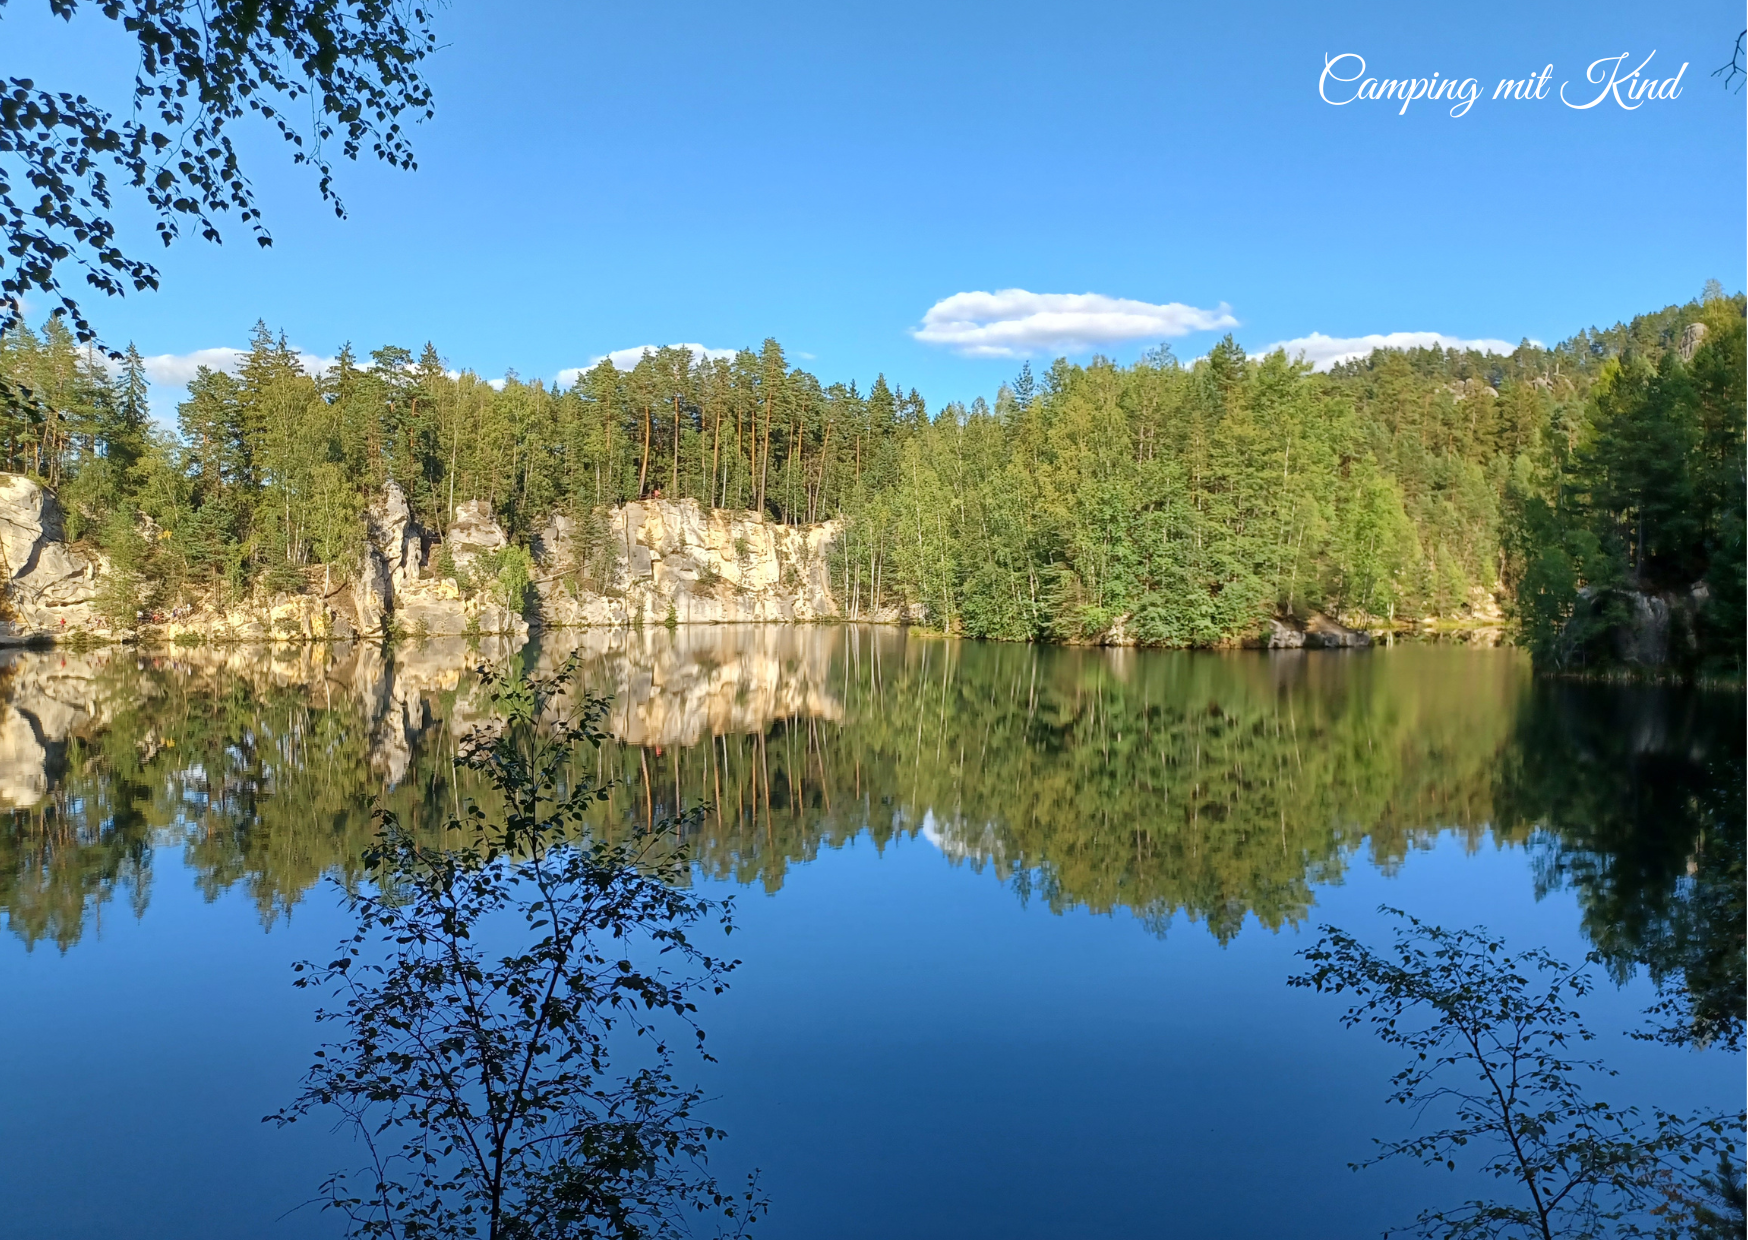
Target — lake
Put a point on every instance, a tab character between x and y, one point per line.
1015	921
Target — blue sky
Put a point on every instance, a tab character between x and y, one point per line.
602	177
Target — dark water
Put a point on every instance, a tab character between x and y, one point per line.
1016	921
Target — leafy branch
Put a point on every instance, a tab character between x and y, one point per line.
1493	1039
481	1085
353	63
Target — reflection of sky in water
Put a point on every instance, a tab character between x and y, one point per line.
1025	1041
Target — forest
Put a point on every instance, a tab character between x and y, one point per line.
1163	503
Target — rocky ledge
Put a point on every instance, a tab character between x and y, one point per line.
651	563
670	559
1318	632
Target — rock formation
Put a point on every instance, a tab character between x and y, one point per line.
641	563
1318	632
396	584
474	532
51	589
669	558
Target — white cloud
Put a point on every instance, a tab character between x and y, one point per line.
177	369
1013	322
626	359
1326	351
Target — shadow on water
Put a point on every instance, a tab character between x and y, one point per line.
1203	787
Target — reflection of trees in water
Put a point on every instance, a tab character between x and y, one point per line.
1638	794
1157	783
263	783
1203	785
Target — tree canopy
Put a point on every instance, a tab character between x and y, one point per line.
1163	503
317	71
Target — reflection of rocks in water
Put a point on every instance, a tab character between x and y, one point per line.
23	759
1217	787
680	686
668	688
45	697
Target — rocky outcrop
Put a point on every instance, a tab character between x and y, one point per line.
51	589
1318	632
474	532
647	563
657	560
397	586
1692	337
1322	633
1282	636
393	558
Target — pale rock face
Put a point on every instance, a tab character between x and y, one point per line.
391	559
50	589
1692	337
473	531
27	514
372	592
670	557
1321	632
1484	605
657	560
391	583
396	537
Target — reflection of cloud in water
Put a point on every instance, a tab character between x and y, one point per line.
958	841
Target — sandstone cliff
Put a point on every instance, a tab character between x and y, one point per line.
642	563
669	557
51	590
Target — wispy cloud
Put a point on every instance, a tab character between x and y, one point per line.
177	369
169	373
1013	322
1326	351
626	359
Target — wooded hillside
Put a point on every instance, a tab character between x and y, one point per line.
1174	504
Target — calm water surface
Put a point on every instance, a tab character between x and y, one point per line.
1015	921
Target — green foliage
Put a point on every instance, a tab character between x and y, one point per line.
1492	1038
131	587
1154	502
1645	498
483	1084
1718	1204
507	572
352	67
